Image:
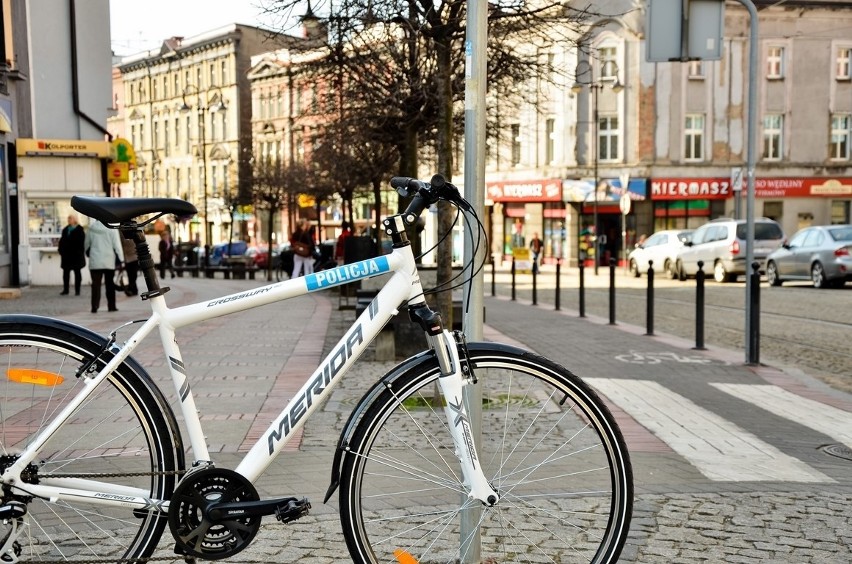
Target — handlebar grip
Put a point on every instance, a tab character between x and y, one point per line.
407	186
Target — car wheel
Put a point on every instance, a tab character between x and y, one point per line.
720	275
634	269
818	276
681	275
670	269
772	274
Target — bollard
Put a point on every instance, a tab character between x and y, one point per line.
558	289
582	290
649	310
699	306
513	279
754	336
493	276
535	286
612	291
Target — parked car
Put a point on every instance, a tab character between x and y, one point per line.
662	248
259	256
821	254
721	244
220	251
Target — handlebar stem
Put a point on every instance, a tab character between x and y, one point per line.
395	227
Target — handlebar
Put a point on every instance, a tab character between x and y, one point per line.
424	194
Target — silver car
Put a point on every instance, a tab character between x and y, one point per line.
661	247
821	254
721	245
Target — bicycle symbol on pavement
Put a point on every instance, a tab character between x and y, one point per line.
636	357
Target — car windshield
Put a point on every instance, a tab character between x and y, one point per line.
762	231
841	234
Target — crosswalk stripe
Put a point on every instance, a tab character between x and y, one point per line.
815	415
718	448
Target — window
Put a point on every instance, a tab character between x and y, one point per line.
772	137
45	220
608	138
841	132
695	70
609	67
516	144
694	138
844	63
550	141
775	63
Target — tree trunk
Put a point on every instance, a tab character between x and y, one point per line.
445	167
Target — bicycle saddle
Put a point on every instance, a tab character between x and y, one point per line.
120	210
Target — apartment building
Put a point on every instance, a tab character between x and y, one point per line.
187	112
677	133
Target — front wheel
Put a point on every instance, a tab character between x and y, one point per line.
818	276
772	275
119	442
549	446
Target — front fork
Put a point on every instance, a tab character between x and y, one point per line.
452	383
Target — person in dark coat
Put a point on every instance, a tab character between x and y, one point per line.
167	253
72	254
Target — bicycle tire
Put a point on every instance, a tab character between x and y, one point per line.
565	480
125	426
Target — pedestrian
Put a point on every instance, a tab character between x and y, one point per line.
131	266
536	245
167	253
103	247
303	249
72	254
340	246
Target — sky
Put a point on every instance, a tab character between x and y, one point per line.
139	26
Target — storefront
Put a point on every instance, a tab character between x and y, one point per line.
523	209
794	202
614	231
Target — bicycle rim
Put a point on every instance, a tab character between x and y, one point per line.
118	430
548	445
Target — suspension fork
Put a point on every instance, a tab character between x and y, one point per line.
452	382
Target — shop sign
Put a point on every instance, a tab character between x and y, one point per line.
720	188
547	190
691	188
609	190
62	148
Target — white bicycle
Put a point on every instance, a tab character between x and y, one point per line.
93	465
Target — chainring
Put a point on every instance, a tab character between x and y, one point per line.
194	532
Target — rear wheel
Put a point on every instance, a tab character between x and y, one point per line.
818	275
634	269
118	442
720	274
671	269
549	446
772	274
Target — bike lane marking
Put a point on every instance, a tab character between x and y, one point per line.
718	448
822	418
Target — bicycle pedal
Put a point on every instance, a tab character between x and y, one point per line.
292	509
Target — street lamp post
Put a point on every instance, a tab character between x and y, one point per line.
596	85
202	110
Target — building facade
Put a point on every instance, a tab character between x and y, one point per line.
187	112
677	133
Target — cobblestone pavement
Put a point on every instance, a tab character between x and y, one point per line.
239	365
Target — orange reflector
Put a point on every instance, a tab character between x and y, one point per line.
32	376
403	557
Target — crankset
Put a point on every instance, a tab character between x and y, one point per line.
215	513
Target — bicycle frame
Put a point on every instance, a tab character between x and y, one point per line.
404	284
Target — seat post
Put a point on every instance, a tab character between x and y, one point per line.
147	266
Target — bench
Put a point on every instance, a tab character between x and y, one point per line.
192	269
400	335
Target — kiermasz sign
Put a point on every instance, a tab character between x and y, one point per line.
720	188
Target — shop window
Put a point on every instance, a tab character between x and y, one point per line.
840	212
45	220
773	210
695	70
550	141
841	132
